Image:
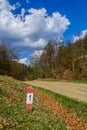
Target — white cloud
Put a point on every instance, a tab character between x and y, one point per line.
4	5
81	36
32	30
22	12
16	6
37	53
24	61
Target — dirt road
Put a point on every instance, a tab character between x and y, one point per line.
73	90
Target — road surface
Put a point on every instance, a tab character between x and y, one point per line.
74	90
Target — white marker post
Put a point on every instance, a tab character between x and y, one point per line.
29	98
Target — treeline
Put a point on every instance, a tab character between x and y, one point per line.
58	60
61	61
9	65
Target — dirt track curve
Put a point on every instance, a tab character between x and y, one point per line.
73	90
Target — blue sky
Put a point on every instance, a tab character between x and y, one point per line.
29	24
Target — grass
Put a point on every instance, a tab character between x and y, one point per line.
13	114
74	106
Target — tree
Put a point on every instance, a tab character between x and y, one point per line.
85	43
18	71
6	52
47	63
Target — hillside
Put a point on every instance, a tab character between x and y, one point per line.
50	111
13	114
67	61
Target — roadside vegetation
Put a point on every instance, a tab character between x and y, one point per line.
13	114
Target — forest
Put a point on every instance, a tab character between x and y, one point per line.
59	60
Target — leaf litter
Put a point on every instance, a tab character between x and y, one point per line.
72	121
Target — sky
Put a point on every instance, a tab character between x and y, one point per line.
28	25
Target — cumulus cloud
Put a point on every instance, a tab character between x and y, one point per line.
37	53
16	6
81	36
34	29
24	61
4	5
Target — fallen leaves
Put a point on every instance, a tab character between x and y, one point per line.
71	119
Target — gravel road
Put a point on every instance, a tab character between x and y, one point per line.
74	90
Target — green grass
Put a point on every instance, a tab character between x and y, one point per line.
13	114
74	106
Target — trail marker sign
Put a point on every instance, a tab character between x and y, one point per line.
29	98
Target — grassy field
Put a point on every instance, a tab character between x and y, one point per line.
13	114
